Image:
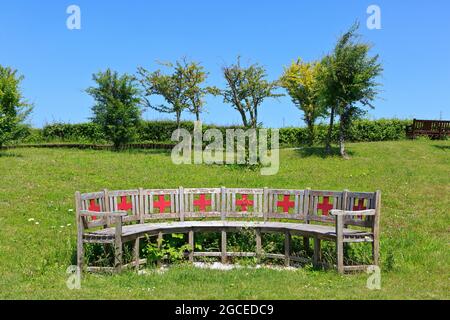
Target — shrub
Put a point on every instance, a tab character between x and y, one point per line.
117	109
80	132
161	131
13	108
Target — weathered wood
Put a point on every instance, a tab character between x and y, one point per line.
317	258
340	243
141	205
118	244
223	205
224	246
159	244
181	196
258	244
287	248
376	230
136	253
80	231
192	245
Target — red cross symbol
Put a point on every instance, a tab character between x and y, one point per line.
244	202
286	203
202	203
93	206
360	205
325	206
161	204
124	205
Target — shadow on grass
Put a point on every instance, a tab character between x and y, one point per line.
443	148
146	151
4	154
319	151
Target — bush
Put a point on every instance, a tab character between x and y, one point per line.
360	131
161	131
80	132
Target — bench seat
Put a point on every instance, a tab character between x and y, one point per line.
117	217
131	232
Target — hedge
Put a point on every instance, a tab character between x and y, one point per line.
360	131
161	131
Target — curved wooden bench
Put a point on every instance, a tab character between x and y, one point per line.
117	217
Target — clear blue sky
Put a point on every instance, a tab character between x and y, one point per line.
414	45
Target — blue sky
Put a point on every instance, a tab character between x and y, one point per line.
58	63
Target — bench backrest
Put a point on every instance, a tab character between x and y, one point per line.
431	125
287	204
307	206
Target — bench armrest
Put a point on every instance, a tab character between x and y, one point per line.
87	213
370	212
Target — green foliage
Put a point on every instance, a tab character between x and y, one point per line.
13	108
78	132
161	131
182	89
359	131
347	80
117	106
246	89
173	248
301	82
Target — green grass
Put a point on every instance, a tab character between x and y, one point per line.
40	183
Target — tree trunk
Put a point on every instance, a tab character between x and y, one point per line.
310	125
244	118
342	131
178	115
330	131
197	116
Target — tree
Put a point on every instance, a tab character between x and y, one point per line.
349	81
13	108
327	90
117	106
300	81
182	90
246	89
194	76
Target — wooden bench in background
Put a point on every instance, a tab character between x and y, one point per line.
117	217
436	129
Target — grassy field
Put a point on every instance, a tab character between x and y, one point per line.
40	183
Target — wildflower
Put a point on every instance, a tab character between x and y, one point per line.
31	219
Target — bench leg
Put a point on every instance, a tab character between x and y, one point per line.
224	247
192	245
376	252
258	245
160	241
80	253
317	258
306	244
136	253
118	254
287	248
340	257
